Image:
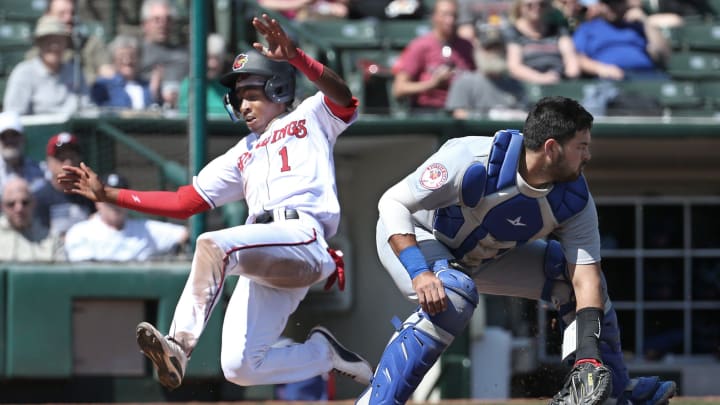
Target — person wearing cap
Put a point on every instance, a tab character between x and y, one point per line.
55	209
125	89
284	170
89	48
13	161
22	237
216	60
109	235
46	84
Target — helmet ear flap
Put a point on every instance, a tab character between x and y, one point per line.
232	105
280	89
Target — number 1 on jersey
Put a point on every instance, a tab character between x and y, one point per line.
284	155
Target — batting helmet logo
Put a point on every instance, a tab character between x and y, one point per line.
240	61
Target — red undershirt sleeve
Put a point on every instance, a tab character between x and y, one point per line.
180	204
345	113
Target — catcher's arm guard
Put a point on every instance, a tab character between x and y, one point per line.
589	383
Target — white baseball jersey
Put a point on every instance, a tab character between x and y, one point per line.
290	165
140	239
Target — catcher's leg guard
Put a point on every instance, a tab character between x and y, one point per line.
611	352
558	287
420	341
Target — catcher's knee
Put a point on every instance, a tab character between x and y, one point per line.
462	300
558	288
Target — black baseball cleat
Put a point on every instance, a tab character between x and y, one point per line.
167	356
587	384
344	361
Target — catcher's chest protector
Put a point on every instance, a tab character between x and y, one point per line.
494	215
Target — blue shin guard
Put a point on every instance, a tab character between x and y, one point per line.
420	341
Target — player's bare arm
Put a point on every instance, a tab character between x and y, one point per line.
281	48
84	181
429	289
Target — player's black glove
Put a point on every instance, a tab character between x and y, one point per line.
589	383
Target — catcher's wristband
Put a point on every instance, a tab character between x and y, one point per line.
412	258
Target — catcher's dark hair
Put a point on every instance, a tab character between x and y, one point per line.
555	117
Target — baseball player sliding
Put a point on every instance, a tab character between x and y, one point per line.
473	218
284	170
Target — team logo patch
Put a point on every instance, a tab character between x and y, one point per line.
240	61
434	176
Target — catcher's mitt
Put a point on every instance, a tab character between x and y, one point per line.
589	383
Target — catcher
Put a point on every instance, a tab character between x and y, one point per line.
474	218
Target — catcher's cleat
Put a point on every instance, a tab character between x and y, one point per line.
645	391
344	361
167	356
589	383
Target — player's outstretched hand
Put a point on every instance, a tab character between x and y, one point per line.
83	181
280	46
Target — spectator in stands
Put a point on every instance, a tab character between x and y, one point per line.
13	161
22	237
94	57
55	209
216	62
488	92
619	44
574	12
125	89
538	51
427	66
308	10
480	14
109	235
161	60
46	84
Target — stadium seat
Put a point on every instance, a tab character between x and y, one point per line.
673	37
343	34
710	92
10	58
715	5
694	65
575	89
673	94
398	33
699	36
16	34
23	10
93	28
368	73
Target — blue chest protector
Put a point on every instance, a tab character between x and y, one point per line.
516	219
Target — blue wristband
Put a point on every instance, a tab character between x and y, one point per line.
412	258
